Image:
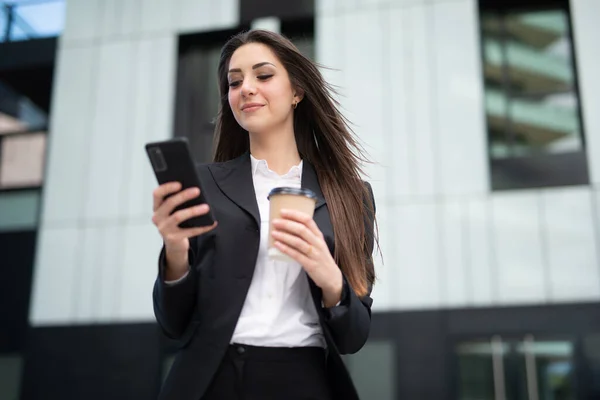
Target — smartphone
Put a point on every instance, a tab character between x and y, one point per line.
172	161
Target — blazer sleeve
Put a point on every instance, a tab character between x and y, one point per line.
350	321
174	303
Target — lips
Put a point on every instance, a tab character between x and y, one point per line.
249	107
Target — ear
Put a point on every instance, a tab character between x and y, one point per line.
298	95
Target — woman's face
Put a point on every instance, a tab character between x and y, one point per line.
260	92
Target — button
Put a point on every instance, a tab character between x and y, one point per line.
241	350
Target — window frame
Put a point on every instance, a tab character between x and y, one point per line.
538	170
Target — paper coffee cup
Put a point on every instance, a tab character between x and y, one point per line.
290	198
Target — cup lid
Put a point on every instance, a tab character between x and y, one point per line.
293	191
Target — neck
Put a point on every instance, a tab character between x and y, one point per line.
278	149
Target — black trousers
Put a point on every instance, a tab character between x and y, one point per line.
270	373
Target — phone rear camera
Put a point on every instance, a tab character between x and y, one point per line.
157	159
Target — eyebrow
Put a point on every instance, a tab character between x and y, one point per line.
255	66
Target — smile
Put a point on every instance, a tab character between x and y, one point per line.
251	107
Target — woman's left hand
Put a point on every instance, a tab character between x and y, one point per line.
297	235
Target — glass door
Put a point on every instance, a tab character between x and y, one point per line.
515	368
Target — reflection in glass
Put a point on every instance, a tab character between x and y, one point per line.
531	100
10	376
18	113
373	370
515	369
480	365
19	210
22	160
43	18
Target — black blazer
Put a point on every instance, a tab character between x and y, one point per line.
201	312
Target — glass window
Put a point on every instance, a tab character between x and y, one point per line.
19	210
10	376
44	18
373	370
515	368
531	99
22	160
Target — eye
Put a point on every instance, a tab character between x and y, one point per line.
264	77
234	83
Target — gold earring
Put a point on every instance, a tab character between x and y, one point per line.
294	105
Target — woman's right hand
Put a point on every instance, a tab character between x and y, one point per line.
176	239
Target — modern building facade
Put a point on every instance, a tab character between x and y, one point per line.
481	117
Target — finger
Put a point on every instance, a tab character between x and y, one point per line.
172	202
159	194
292	241
191	232
183	215
296	228
303	218
301	258
175	233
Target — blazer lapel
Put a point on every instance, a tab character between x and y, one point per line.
310	181
234	178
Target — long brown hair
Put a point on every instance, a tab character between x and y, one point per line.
324	139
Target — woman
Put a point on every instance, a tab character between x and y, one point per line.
252	327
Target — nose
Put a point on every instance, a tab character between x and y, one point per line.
247	88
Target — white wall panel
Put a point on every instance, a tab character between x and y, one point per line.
572	253
194	15
364	82
52	300
70	133
345	6
586	31
152	118
420	85
109	282
201	15
325	7
109	18
399	95
82	22
460	140
385	261
416	268
139	268
482	282
112	126
130	17
139	201
452	254
330	53
521	269
89	264
226	13
158	15
364	87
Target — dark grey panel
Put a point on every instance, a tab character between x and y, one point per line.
17	252
92	362
540	171
252	9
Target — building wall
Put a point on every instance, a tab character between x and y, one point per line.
97	249
412	84
410	78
